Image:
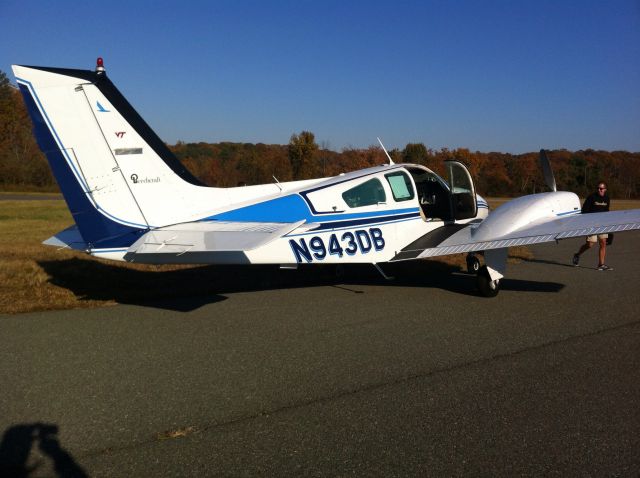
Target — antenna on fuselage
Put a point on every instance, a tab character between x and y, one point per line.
385	151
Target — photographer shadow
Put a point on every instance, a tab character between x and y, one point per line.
18	442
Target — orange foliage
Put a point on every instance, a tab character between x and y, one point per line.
23	166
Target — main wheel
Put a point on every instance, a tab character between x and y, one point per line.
486	286
473	263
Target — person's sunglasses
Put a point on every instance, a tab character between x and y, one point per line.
602	189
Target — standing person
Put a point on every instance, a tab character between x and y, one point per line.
596	202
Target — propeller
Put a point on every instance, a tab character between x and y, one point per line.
547	171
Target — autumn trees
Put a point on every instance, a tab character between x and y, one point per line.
23	167
301	151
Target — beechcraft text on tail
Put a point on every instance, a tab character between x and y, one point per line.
132	200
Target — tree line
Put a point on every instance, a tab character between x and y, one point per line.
24	168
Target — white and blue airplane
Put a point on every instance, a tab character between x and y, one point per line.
132	200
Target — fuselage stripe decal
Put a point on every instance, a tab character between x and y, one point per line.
568	213
316	231
369	220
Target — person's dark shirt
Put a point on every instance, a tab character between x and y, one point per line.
596	203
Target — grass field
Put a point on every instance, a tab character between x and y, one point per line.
37	277
33	276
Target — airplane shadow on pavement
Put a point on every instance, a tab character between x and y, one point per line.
185	289
17	444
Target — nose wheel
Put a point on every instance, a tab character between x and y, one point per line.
486	286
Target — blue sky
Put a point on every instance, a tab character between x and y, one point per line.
487	75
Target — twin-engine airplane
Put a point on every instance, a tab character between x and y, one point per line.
132	200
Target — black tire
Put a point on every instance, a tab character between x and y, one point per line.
486	286
473	264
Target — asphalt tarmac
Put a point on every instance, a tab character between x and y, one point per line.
352	377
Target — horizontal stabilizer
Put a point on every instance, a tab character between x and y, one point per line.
206	242
69	238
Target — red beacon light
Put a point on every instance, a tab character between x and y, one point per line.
100	65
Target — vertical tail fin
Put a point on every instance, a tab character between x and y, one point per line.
117	177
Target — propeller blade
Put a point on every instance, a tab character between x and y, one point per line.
547	171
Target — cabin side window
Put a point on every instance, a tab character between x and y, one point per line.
401	186
365	194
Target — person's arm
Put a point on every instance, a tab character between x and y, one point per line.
588	205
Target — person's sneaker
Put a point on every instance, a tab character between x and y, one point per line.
576	259
604	267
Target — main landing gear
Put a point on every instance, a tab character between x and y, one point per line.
473	263
486	286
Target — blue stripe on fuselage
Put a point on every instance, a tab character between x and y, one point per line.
365	221
293	208
289	208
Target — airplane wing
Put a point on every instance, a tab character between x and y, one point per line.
479	237
205	242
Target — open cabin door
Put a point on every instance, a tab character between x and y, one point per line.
463	195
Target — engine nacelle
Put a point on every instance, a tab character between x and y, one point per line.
525	211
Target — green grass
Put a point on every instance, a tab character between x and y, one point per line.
38	277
